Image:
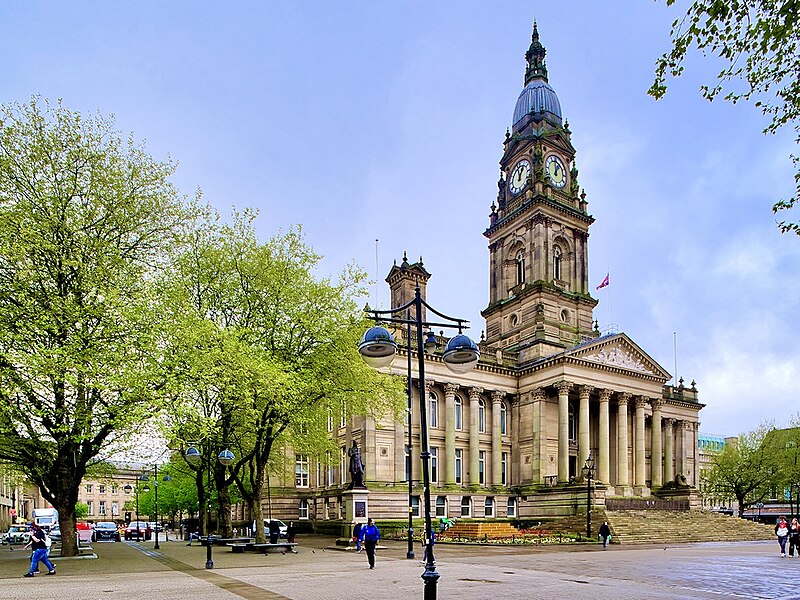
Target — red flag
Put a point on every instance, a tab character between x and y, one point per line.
604	282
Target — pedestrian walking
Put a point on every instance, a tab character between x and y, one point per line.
782	531
38	543
357	535
370	534
274	531
605	533
291	533
794	538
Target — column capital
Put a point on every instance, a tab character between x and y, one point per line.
563	387
585	391
450	388
623	399
642	402
687	425
656	404
538	394
497	396
605	395
429	383
669	422
475	393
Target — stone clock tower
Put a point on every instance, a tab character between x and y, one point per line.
539	300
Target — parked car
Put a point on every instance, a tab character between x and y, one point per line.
142	527
18	534
106	530
282	527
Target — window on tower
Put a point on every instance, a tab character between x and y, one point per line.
520	267
557	263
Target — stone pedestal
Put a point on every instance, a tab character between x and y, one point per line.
356	508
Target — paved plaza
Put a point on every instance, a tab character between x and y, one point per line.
128	569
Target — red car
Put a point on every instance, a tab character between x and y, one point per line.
143	529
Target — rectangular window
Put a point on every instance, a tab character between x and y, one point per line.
115	489
101	488
301	471
415	506
303	508
330	421
459	461
441	506
115	509
488	507
512	507
102	508
343	466
433	412
88	488
434	465
91	507
482	467
329	457
504	466
466	506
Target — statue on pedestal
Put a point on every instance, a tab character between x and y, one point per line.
356	467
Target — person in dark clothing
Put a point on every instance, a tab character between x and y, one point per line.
274	531
794	538
37	542
370	535
605	533
357	536
782	531
291	533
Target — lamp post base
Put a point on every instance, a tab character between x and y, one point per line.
431	579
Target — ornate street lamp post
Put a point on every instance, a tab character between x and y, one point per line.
588	471
195	457
461	354
146	489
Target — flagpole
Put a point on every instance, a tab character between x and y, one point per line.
608	275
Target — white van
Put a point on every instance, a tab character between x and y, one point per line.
46	518
282	528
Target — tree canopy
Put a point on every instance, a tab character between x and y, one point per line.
87	220
758	42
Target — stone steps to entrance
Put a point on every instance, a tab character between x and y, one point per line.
661	527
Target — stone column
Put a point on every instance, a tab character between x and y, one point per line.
638	443
669	451
622	440
563	430
474	435
696	455
686	450
603	447
656	460
450	433
584	447
497	441
538	449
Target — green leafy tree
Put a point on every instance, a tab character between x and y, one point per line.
87	218
746	469
81	510
758	42
269	349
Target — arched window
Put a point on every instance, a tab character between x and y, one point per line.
557	263
520	260
503	419
433	410
481	416
466	506
511	510
459	414
488	506
441	506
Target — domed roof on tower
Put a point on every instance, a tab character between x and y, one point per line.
538	98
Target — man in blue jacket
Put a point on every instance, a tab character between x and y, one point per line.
370	535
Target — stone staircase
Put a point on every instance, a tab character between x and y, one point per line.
480	530
664	526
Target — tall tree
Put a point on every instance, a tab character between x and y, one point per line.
275	345
86	220
746	469
759	43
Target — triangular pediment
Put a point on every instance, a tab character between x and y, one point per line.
618	350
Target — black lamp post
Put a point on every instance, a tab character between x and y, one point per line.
759	506
588	471
128	488
409	389
155	489
194	456
461	354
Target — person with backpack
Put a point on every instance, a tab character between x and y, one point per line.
38	542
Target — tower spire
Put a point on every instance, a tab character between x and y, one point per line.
536	68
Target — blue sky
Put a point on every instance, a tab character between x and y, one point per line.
385	120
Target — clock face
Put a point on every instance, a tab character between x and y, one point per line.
519	176
555	171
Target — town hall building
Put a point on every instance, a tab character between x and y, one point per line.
510	438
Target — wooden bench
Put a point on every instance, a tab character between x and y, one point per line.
265	548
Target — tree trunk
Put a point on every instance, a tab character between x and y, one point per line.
224	499
257	508
742	506
69	531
